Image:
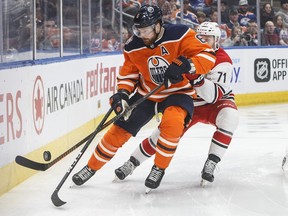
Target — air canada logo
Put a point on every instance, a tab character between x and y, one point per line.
157	67
38	105
262	69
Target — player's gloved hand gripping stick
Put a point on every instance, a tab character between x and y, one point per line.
179	66
119	103
55	198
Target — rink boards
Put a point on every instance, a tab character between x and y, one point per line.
53	106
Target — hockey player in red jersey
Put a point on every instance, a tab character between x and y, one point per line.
214	105
155	54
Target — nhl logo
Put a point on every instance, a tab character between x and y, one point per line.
262	70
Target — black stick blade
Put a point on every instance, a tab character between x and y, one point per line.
30	164
56	200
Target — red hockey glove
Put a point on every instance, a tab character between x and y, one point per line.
196	80
118	102
173	73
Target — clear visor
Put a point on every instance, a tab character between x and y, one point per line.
143	32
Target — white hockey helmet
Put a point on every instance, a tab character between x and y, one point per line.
211	28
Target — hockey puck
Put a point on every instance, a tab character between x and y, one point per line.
47	155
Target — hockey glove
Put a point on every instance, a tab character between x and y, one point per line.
118	102
196	80
173	73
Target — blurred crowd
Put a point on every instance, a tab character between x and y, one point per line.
101	30
238	19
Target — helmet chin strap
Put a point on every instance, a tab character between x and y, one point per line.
160	34
216	43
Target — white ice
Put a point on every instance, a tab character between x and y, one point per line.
249	181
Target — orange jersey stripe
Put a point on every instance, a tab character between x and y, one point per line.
144	67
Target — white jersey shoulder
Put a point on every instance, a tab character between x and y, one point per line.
217	81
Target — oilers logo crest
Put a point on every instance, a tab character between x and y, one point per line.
157	66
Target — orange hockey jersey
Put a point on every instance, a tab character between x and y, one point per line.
144	67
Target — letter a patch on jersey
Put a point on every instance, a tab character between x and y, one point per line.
164	51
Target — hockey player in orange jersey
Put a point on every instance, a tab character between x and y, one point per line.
156	53
214	105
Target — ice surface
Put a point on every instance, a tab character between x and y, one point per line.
249	181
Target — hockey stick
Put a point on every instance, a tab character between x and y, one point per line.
54	197
44	166
23	161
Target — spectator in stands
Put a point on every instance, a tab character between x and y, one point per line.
25	35
130	4
166	10
213	16
203	5
266	14
51	35
233	19
244	15
278	22
269	36
106	8
174	9
189	18
283	36
144	2
69	11
225	30
224	12
107	42
130	8
201	16
283	12
111	42
125	36
39	16
236	38
49	9
251	34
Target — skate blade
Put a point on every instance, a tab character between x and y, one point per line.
116	179
203	183
73	185
147	190
285	164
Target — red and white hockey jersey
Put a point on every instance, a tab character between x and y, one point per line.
217	82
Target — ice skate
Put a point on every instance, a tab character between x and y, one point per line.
207	172
147	190
126	169
154	178
83	175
